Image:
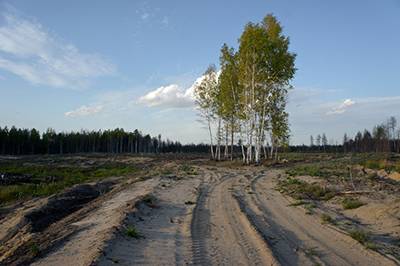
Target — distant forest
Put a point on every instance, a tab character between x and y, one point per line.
384	137
15	141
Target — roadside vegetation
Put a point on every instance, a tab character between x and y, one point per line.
336	186
23	180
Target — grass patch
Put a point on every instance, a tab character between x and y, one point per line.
301	190
363	238
351	203
311	170
326	218
297	203
309	208
131	231
34	249
48	180
359	235
188	169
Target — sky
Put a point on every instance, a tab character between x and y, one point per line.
73	65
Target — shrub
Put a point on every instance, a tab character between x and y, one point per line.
359	235
326	219
351	203
302	190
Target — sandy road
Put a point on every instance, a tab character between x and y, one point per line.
220	217
221	233
297	238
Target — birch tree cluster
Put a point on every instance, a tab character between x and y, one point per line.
245	102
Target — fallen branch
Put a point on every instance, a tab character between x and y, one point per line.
355	192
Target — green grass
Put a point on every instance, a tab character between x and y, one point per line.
302	190
310	208
359	235
325	218
187	169
297	203
63	177
34	249
131	231
363	238
351	203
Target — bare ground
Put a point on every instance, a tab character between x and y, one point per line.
221	216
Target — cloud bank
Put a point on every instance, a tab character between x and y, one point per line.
171	96
29	51
341	108
84	111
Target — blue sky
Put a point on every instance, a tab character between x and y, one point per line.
105	64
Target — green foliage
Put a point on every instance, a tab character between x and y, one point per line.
188	169
298	203
302	190
310	208
61	178
351	203
131	231
363	238
326	219
34	249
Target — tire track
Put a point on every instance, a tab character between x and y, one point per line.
297	238
221	233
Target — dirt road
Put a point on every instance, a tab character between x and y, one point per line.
221	216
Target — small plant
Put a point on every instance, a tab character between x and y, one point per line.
326	218
359	235
309	208
300	190
351	203
297	203
363	238
131	231
35	249
189	202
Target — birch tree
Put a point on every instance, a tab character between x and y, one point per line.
206	94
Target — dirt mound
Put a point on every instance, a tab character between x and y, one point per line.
63	204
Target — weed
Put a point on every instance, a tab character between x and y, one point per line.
189	170
363	238
34	249
62	177
131	231
297	203
309	208
359	235
351	203
326	219
302	190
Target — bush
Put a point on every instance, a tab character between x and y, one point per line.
351	203
301	190
326	219
359	235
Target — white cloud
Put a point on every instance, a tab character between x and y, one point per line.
342	107
145	16
171	96
84	111
29	51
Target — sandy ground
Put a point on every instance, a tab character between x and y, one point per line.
221	216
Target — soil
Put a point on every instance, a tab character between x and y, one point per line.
203	215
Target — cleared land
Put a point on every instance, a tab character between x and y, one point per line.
314	209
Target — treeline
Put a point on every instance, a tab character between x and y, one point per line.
16	141
245	101
384	137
